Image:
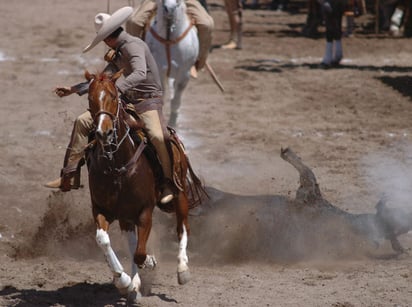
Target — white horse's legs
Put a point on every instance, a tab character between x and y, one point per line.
173	110
183	273
121	280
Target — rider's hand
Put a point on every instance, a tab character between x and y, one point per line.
63	91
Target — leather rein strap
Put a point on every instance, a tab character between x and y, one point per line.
132	161
170	42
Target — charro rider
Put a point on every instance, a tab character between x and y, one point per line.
136	25
141	86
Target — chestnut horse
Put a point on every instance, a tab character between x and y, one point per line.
122	183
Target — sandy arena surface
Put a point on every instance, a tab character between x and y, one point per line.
351	125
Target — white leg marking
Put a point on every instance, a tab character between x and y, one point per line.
136	283
149	263
121	279
182	258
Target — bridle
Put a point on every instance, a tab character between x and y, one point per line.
113	143
167	42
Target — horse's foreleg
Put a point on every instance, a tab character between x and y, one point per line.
183	273
122	281
176	99
144	227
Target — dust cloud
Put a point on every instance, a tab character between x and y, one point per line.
389	172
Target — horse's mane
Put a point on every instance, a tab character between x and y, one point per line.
103	76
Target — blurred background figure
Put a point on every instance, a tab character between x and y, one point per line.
333	11
314	19
279	5
234	12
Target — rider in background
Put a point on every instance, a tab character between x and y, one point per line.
140	86
234	13
137	24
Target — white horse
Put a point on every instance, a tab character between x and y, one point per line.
174	43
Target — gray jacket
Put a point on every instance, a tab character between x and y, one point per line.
141	76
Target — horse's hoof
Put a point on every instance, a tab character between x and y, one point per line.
150	263
183	277
133	298
123	283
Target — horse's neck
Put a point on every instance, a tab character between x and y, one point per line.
177	28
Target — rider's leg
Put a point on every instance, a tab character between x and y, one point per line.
204	23
136	24
74	154
155	130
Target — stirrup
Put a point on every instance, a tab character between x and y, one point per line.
70	181
73	182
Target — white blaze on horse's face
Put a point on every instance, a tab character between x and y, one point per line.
104	123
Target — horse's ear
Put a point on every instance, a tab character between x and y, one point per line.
117	75
88	75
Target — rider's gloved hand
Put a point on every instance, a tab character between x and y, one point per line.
63	91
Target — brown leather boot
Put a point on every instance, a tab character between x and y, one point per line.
54	184
65	183
167	192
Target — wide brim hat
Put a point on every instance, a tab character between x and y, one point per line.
106	24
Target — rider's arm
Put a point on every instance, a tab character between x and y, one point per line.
135	54
80	89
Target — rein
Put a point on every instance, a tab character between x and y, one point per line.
121	171
169	42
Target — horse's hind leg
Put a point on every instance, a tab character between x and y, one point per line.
122	281
183	273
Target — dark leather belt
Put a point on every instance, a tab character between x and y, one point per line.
136	95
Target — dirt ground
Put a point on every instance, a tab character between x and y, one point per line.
351	125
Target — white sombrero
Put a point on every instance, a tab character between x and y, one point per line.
106	24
